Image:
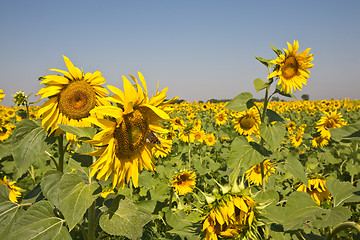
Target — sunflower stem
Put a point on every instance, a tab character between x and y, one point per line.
61	153
92	221
341	227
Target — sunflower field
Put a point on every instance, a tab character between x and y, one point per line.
95	162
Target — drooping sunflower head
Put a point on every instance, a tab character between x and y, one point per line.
231	216
127	139
292	68
184	182
247	122
13	190
330	121
319	141
317	190
253	175
71	97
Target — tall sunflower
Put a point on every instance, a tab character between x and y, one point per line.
292	68
183	182
253	175
123	144
247	122
71	97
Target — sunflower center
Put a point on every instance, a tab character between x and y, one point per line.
130	135
76	100
290	68
330	123
247	122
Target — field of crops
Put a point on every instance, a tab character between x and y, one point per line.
94	164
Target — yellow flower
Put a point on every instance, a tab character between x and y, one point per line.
4	133
229	217
221	118
292	68
163	148
330	121
210	139
184	182
2	95
319	141
291	127
177	123
253	175
197	124
247	122
198	135
186	137
317	190
106	192
13	190
71	97
124	143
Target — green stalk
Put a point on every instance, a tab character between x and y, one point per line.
341	227
92	221
266	100
61	153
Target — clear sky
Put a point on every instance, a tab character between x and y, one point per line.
199	49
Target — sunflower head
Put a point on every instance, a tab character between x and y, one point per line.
291	68
329	121
13	190
253	175
71	97
317	190
2	95
183	182
247	123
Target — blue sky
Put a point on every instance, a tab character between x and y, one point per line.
198	49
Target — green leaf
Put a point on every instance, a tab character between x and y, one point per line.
75	197
295	168
332	217
349	132
273	116
126	221
147	206
10	212
82	133
277	51
273	134
300	207
260	84
242	156
264	61
241	102
28	145
50	186
5	149
342	192
40	222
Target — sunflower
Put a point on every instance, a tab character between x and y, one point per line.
124	144
247	122
4	133
292	68
330	121
210	139
184	182
177	123
253	175
186	137
13	190
221	118
297	138
232	216
319	141
291	127
163	148
71	97
198	135
197	124
317	190
2	95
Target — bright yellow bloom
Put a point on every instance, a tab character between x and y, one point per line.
13	190
163	148
106	192
247	122
186	137
71	98
4	133
198	135
330	121
231	216
253	175
177	123
210	139
125	142
317	190
197	124
319	141
184	182
2	95
291	127
221	118
292	68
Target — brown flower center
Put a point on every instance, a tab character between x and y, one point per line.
130	135
76	100
290	68
247	122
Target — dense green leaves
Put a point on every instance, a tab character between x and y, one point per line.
342	192
126	221
295	168
40	222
